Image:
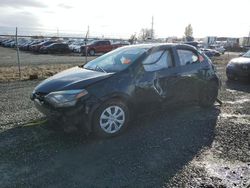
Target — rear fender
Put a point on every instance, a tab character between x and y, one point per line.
216	79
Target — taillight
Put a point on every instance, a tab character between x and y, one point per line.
201	58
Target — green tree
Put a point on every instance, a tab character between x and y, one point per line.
189	33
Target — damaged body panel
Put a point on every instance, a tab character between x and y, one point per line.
106	92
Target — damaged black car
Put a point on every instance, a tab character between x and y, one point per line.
103	95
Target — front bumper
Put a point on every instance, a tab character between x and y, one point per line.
79	115
65	117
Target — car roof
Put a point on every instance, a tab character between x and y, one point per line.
160	45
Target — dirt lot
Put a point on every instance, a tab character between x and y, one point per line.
42	65
182	147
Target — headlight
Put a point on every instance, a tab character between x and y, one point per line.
65	98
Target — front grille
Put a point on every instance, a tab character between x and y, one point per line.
245	67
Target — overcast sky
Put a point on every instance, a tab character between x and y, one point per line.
120	18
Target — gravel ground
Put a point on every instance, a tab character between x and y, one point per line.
15	104
182	147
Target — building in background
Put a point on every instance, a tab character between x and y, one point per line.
209	40
244	41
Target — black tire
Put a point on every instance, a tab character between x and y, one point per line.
102	110
208	94
91	52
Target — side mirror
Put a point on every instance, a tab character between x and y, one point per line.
241	54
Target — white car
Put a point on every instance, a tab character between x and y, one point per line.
75	47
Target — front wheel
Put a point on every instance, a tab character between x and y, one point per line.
208	94
111	118
92	52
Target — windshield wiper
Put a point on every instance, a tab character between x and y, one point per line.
98	67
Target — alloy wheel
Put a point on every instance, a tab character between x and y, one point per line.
112	119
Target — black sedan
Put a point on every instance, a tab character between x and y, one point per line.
55	48
239	68
103	95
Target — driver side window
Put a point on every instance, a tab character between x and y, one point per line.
157	61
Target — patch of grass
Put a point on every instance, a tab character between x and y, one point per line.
37	122
41	71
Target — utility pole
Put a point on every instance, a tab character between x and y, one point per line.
18	59
152	28
86	49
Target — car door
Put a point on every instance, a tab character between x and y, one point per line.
189	78
98	47
155	84
107	46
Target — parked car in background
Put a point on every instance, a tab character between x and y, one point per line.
220	49
55	48
74	45
124	43
210	52
99	46
44	44
9	43
2	40
103	95
239	68
36	47
25	46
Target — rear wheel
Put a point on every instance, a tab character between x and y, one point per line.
111	118
208	94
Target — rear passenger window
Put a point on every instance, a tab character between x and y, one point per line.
99	43
157	61
187	57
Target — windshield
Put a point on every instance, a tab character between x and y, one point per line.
115	61
247	54
91	42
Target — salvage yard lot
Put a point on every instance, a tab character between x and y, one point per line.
182	147
38	64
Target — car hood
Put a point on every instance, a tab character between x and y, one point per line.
240	60
73	78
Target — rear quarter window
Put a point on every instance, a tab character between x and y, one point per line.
187	57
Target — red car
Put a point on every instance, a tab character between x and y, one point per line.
99	46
